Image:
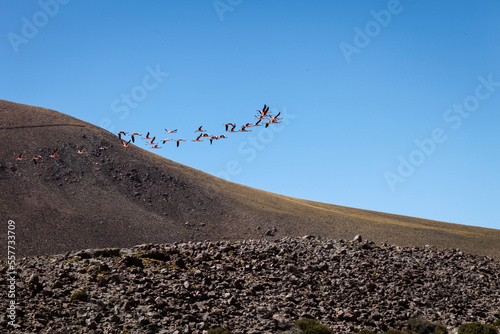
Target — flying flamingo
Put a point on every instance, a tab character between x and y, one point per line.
257	124
198	139
21	157
82	151
147	136
103	148
200	130
152	141
165	140
179	140
221	137
213	138
126	144
53	155
232	129
244	129
228	124
121	133
274	120
263	112
133	135
156	146
172	131
36	158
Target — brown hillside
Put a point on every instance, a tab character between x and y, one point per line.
121	197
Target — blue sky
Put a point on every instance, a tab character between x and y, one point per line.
390	106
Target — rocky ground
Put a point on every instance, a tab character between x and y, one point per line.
253	286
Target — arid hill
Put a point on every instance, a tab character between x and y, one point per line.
124	196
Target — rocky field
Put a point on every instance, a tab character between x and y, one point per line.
253	286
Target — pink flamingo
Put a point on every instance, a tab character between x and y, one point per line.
198	139
121	133
36	158
263	112
133	135
244	129
228	124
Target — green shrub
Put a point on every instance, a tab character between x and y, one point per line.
440	329
79	295
476	328
422	326
311	326
219	330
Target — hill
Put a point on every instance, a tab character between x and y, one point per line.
124	196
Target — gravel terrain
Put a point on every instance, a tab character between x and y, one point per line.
252	286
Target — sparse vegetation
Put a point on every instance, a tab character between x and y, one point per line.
79	295
311	326
476	328
219	330
422	326
366	331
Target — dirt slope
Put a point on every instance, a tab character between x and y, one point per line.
122	197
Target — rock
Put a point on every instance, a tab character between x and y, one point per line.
281	321
129	261
34	280
254	286
115	318
91	324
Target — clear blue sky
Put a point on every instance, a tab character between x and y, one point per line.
391	106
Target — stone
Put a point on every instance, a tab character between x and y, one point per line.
271	284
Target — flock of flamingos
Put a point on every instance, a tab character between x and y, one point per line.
230	127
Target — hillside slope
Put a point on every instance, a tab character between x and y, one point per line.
120	197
